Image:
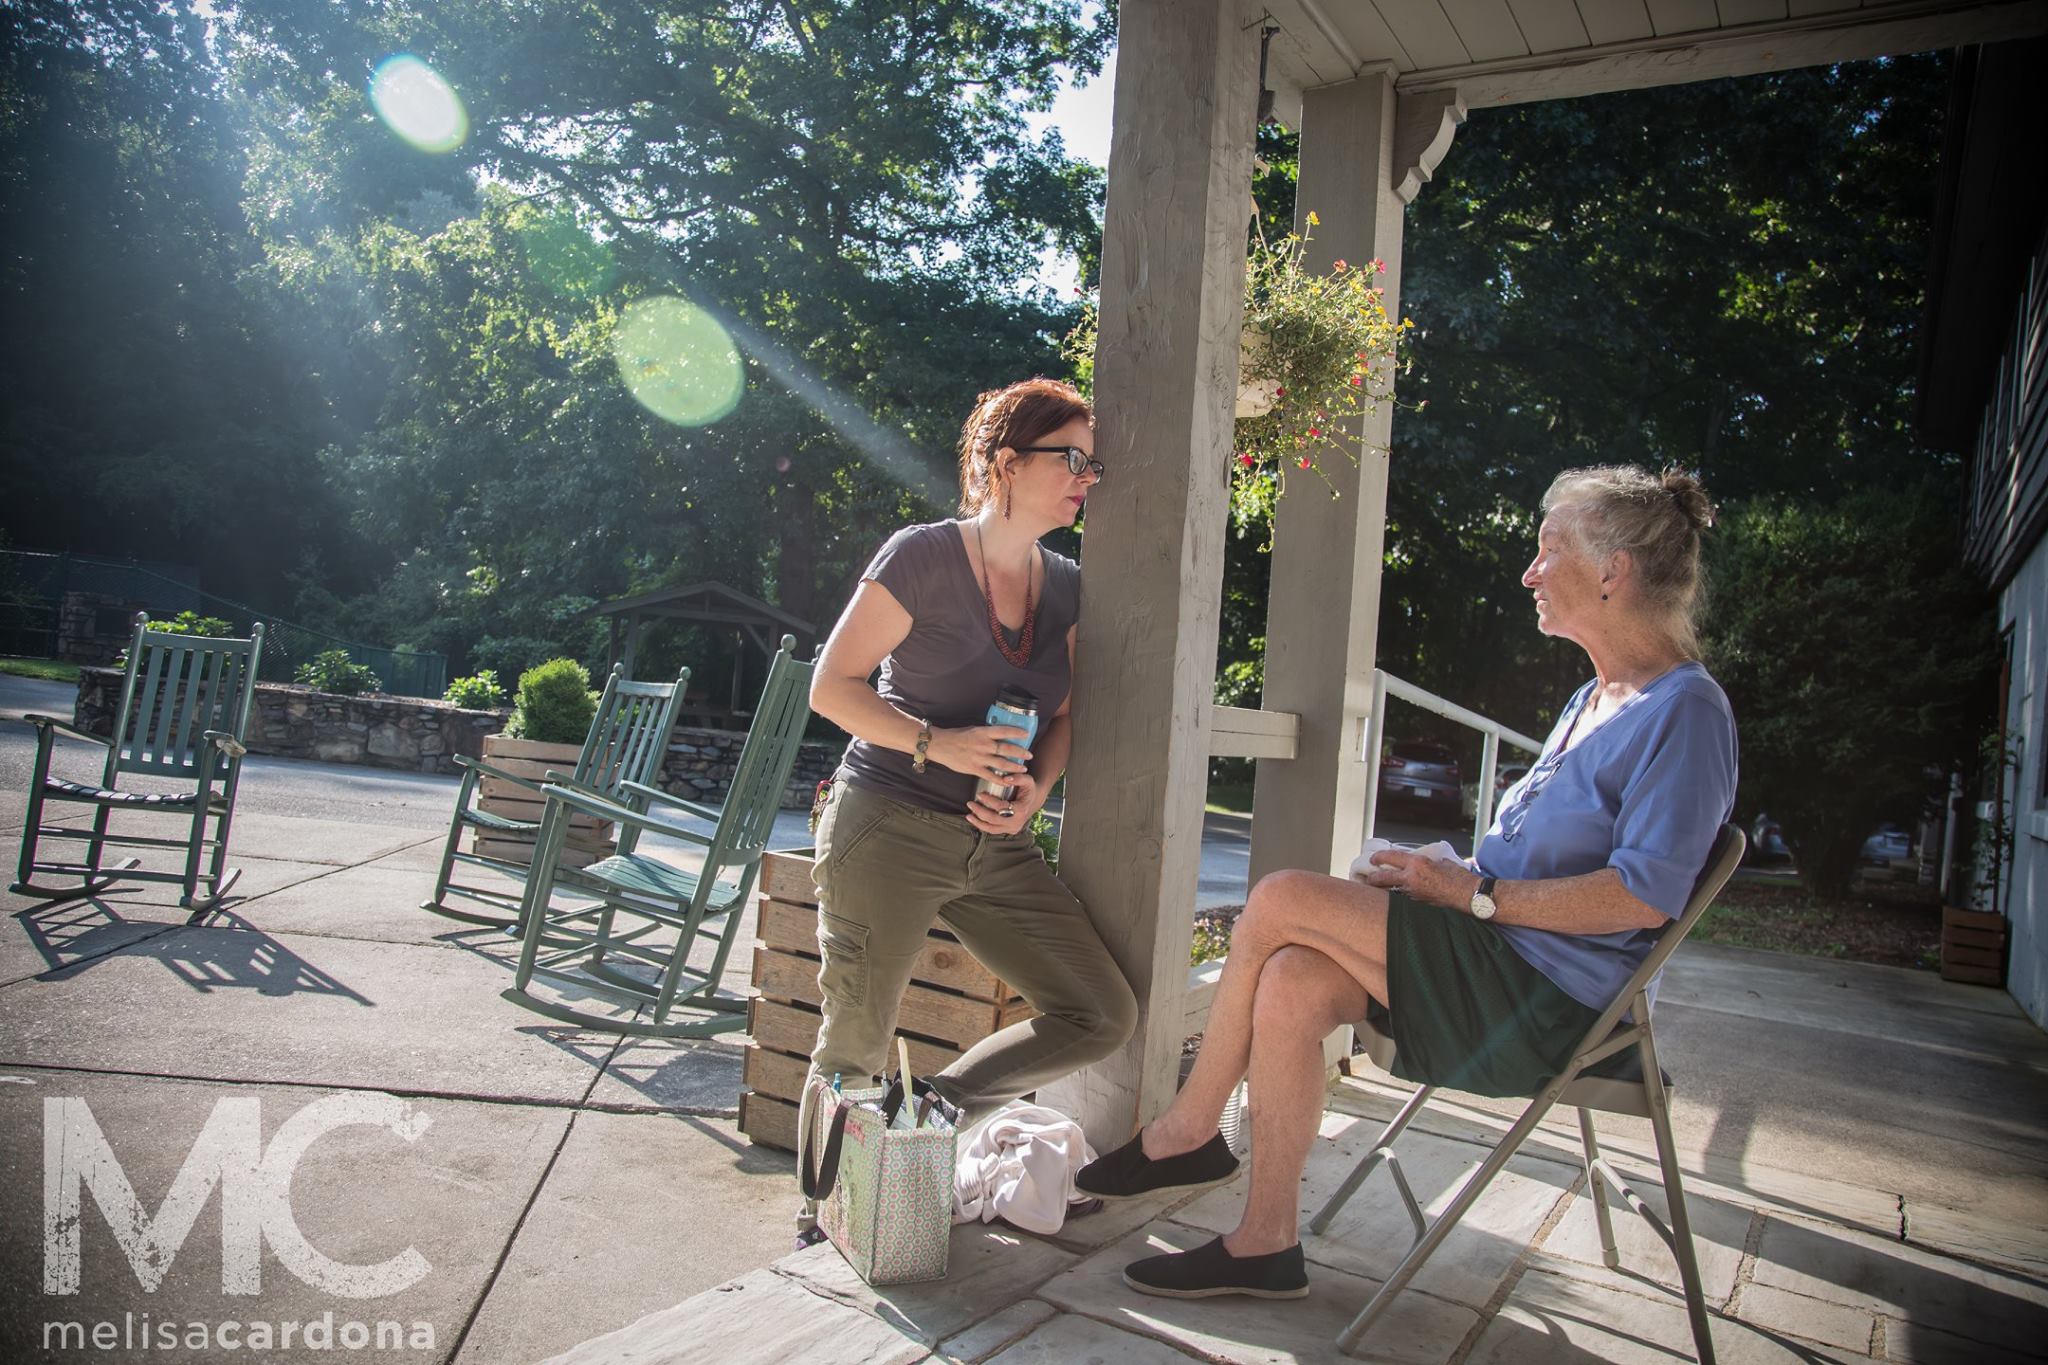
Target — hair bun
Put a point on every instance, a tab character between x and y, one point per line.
1691	496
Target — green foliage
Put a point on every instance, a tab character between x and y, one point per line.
1858	654
192	623
332	670
478	692
49	670
1211	941
555	704
1046	835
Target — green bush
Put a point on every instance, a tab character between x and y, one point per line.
333	671
555	703
478	692
185	623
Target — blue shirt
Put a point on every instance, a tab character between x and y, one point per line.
1644	794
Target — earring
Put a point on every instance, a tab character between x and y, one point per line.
1006	502
1603	597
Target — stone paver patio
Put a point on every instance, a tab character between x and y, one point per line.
1866	1149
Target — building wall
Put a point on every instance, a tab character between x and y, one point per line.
2023	608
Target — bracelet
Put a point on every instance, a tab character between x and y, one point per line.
924	739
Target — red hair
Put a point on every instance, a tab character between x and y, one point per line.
1020	415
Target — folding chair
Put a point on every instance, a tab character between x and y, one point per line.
627	743
184	712
1630	1083
584	948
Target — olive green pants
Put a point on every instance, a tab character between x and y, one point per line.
886	871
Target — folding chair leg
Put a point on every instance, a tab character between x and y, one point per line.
1364	1168
1596	1186
1674	1198
1468	1194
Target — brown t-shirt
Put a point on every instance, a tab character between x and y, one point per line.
947	669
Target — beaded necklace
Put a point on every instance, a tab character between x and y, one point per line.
1019	657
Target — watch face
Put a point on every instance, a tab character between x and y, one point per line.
1482	906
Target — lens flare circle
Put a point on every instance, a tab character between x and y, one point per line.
417	104
677	361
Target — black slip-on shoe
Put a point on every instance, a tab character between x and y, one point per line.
1127	1172
1209	1270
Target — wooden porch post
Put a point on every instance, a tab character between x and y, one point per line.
1363	156
1165	379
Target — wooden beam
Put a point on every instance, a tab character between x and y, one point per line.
1179	203
1322	614
1240	732
1809	40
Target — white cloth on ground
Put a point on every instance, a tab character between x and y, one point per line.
1019	1164
1440	852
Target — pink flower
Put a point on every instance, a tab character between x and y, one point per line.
1279	393
1315	431
1341	267
1357	380
1305	462
1379	267
1244	459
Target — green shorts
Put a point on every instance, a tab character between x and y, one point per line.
1469	1012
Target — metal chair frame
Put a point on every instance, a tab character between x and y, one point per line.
1645	1094
184	713
582	943
627	743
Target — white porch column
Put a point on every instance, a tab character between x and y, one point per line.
1360	164
1165	380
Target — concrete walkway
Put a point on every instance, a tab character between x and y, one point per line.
1867	1151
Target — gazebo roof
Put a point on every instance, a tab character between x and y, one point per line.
1497	52
707	601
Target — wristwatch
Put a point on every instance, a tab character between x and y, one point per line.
1482	906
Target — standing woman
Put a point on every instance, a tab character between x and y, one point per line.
951	613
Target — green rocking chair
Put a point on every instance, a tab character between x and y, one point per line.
583	949
184	713
627	743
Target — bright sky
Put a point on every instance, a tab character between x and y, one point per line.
1081	113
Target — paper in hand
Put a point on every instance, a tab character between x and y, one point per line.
1362	865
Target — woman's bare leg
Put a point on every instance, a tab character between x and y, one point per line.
1302	995
1345	921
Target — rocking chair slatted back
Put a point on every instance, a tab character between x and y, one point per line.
629	735
765	762
177	688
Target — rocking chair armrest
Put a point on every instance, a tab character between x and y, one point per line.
590	803
227	743
671	799
66	727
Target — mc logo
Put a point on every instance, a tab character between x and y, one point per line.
255	1196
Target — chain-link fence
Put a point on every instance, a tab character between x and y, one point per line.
33	586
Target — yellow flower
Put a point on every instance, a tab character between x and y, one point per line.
1314	221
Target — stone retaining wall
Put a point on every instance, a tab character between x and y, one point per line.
416	735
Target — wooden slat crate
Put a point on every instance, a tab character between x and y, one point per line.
1972	946
952	1002
589	837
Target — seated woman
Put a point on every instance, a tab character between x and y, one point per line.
1491	972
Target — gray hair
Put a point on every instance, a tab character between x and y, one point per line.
1657	519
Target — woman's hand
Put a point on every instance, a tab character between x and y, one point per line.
1424	879
992	751
991	815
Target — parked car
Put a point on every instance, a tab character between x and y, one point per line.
1420	775
1504	777
1891	846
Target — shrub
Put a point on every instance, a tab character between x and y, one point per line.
555	703
185	623
332	670
478	692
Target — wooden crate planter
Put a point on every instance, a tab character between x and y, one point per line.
952	1002
589	838
1972	946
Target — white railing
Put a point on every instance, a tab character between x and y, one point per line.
1384	685
1237	732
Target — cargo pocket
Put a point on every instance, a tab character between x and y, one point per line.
844	946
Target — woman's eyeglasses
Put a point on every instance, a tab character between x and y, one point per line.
1079	461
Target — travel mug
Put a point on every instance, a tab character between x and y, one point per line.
1012	706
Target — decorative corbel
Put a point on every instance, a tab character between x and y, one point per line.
1424	124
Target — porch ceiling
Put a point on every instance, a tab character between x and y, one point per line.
1510	51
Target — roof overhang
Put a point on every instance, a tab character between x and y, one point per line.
1498	52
